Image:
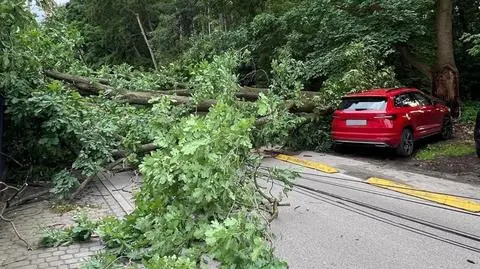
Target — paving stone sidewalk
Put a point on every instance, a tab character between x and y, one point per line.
103	197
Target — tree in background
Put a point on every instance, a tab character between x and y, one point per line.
417	37
445	79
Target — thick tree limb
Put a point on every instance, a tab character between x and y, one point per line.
80	82
143	98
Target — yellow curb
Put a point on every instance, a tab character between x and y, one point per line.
443	199
308	164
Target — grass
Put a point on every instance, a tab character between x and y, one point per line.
455	149
469	111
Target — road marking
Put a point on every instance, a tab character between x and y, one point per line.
443	199
308	164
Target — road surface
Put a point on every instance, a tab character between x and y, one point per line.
339	221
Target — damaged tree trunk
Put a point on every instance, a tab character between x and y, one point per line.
444	74
445	79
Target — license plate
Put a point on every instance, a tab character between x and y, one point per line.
356	122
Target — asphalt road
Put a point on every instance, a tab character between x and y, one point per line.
342	222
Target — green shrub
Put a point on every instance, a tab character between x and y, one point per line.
469	112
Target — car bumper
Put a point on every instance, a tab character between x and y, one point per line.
369	139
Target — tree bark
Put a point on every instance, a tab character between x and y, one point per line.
445	81
146	41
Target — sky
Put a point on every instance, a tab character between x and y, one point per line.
39	14
61	2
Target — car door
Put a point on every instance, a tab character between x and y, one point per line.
407	104
431	117
439	113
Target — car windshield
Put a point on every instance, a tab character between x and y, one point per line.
363	103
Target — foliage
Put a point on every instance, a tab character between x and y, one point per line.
103	261
201	196
63	184
215	79
60	128
170	24
238	242
55	237
205	47
80	231
362	71
475	41
124	77
435	151
116	38
316	32
288	76
64	118
83	228
469	112
14	16
171	262
275	121
198	175
313	134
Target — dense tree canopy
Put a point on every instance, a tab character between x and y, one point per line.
316	32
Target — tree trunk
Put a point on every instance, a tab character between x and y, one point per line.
445	82
150	50
86	87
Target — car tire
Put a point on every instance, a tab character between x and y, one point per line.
406	146
339	148
447	128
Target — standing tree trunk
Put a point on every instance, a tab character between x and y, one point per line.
146	41
445	79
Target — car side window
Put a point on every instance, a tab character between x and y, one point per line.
406	100
422	99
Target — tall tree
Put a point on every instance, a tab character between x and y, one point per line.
445	80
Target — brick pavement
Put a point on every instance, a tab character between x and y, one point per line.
98	200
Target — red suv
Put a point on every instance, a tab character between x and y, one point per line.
393	118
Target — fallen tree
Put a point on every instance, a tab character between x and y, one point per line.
88	86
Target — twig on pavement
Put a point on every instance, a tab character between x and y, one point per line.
6	204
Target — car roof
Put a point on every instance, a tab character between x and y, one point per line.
383	92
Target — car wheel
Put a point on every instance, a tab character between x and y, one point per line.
406	146
339	148
447	128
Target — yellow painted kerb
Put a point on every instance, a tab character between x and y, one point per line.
308	164
443	199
